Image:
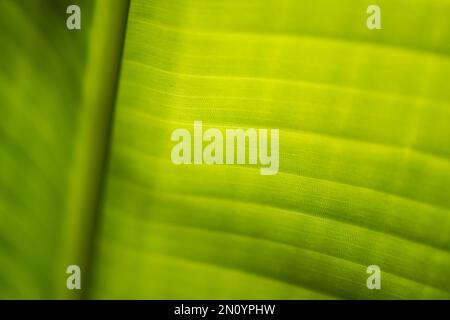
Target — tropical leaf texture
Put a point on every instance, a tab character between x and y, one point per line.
364	174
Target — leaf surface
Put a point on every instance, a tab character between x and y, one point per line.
364	149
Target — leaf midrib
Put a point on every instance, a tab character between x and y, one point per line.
91	149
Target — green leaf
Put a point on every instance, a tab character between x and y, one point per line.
57	91
364	149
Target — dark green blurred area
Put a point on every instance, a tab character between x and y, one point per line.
41	71
364	157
